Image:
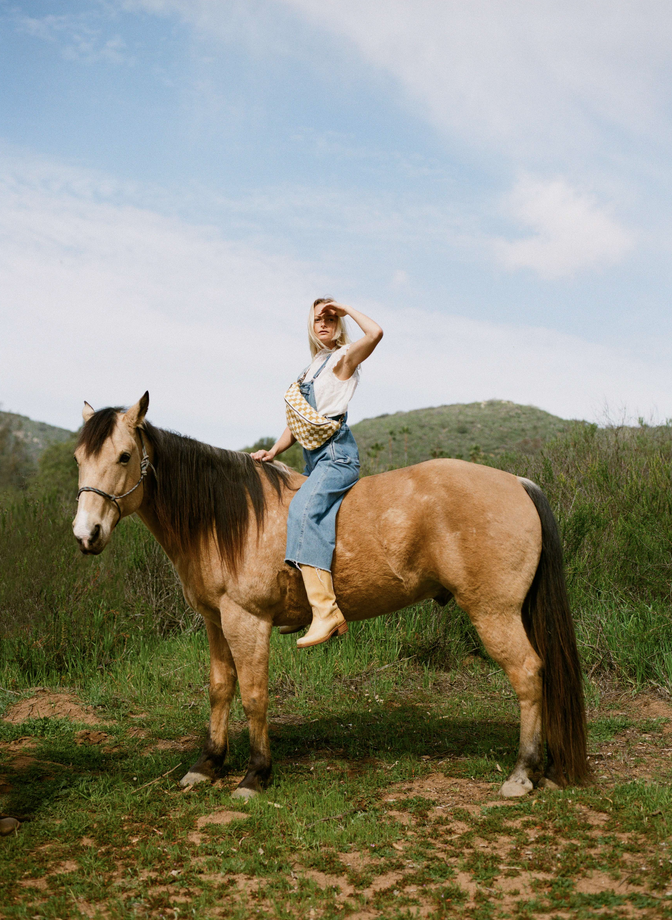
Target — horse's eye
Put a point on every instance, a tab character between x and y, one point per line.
125	457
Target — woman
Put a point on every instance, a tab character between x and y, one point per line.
327	385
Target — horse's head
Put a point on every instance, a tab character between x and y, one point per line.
113	463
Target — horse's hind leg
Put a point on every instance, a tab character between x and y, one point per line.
222	686
506	641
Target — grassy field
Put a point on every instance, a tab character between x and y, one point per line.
389	746
383	801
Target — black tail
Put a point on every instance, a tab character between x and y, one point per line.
549	626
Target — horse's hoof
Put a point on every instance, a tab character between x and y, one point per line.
548	784
515	790
190	779
243	793
9	826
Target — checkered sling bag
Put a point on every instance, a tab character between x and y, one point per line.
309	428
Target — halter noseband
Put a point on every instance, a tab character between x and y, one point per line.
144	469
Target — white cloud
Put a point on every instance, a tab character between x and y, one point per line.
576	89
570	231
428	358
532	77
103	300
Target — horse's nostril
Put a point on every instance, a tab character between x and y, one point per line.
95	533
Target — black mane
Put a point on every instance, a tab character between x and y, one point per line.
197	490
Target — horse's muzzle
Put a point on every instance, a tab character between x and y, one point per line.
92	543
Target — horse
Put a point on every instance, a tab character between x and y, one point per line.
439	529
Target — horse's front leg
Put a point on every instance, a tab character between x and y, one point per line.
210	763
249	638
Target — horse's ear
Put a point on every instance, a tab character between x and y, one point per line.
135	416
87	411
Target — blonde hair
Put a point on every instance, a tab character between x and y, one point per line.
342	337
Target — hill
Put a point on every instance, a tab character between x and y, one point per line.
480	431
35	437
469	431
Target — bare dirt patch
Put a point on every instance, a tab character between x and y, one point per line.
22	762
45	704
19	744
90	910
69	865
446	791
325	880
136	732
39	883
87	736
356	861
186	743
225	816
651	706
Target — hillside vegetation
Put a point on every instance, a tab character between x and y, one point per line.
611	490
22	441
388	746
480	431
35	436
471	431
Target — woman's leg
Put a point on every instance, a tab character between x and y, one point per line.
311	522
311	538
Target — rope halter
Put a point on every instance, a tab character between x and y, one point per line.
144	469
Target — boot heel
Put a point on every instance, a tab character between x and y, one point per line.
340	630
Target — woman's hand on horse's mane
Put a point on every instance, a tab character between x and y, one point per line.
263	455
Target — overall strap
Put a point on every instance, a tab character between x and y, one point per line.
321	368
317	373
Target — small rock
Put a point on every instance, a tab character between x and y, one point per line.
9	826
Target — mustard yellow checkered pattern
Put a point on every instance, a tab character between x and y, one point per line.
309	428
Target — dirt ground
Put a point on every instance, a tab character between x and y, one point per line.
490	852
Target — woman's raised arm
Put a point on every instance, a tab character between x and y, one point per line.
362	348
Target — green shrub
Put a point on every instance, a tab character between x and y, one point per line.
62	615
611	491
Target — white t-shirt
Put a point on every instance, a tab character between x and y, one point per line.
332	395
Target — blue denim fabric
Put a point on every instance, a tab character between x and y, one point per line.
332	469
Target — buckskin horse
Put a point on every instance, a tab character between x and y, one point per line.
434	530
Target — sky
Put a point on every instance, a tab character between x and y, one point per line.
179	179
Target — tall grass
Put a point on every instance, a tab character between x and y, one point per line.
611	491
64	617
61	614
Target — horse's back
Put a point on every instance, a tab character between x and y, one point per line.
442	525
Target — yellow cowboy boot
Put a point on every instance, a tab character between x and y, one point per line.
328	620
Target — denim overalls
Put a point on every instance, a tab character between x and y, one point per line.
332	469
